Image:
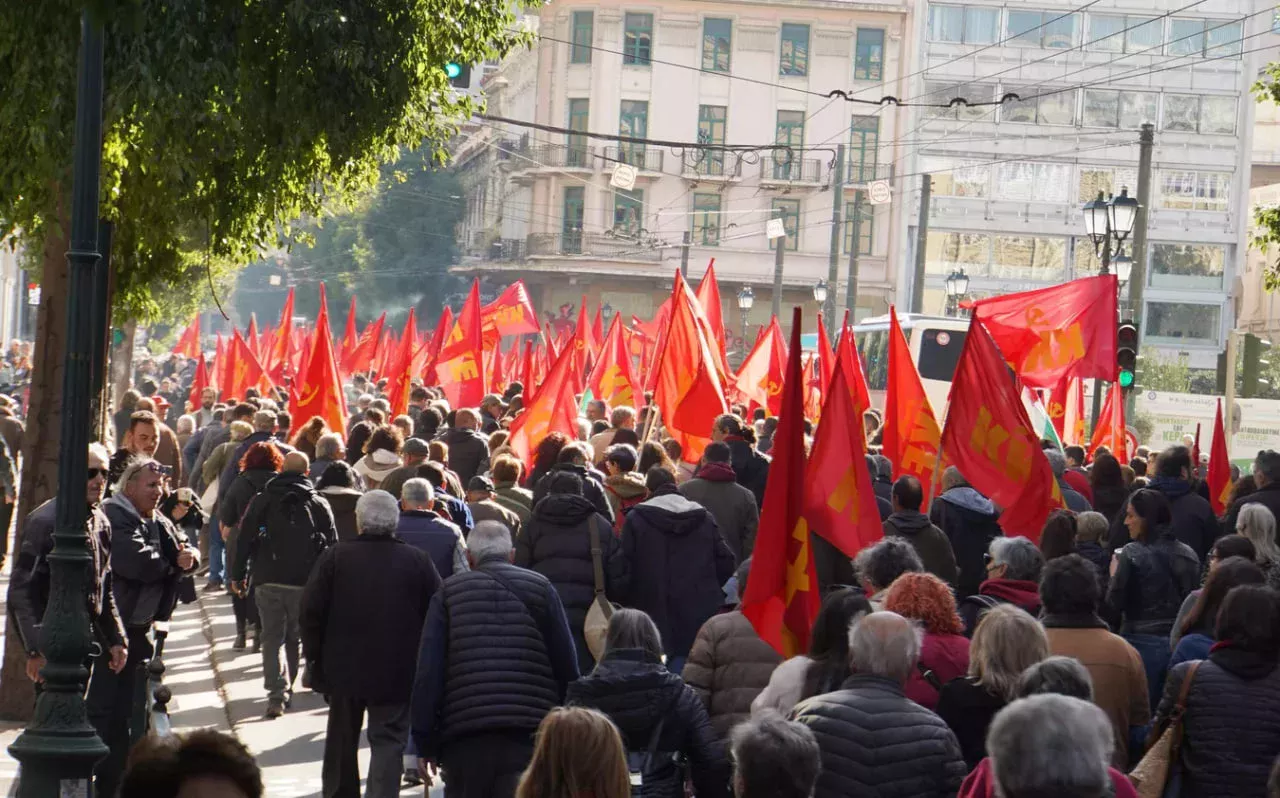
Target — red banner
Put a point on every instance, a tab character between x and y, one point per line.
1111	431
511	313
553	409
687	387
188	344
759	380
612	380
459	363
318	392
1219	476
911	436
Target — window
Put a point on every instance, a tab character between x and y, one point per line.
1185	190
571	221
868	56
1210	38
1051	30
789	164
1029	258
1058	108
637	41
964	25
717	43
633	122
1021	181
1115	33
706	219
794	59
1118	109
943	93
864	144
579	111
1192	266
945	252
952	178
1175	322
1193	113
1106	179
859	216
583	35
788	210
711	126
628	211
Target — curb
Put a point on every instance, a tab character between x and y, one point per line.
219	683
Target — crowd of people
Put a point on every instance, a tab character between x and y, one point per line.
573	628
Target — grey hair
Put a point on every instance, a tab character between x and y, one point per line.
377	513
417	491
1091	526
1021	558
630	628
95	450
775	757
884	644
1050	745
186	423
1057	461
584	430
621	415
1006	642
1058	675
1257	523
489	540
328	446
952	478
885	560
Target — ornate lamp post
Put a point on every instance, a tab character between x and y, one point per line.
821	293
746	298
1107	221
957	288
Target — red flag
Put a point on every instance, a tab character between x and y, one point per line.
553	409
655	334
399	380
1067	330
199	384
1219	476
360	358
459	363
584	350
526	368
781	597
244	370
1111	431
845	350
826	357
687	387
444	326
251	336
911	435
319	391
221	363
840	501
511	313
612	379
279	359
1195	450
989	438
812	393
759	381
597	329
713	310
349	336
188	344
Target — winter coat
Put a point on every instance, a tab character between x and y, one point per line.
1079	482
365	604
1023	593
944	657
592	487
144	562
235	501
1150	582
636	692
1100	559
734	507
678	562
1267	495
1194	522
557	544
970	521
468	453
1074	501
789	684
516	499
283	532
318	467
1119	680
968	710
377	466
728	666
393	481
1109	500
1231	729
980	783
624	491
490	510
342	501
232	467
441	540
928	540
750	467
876	741
1191	647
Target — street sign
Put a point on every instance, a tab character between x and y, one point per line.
775	229
624	177
879	192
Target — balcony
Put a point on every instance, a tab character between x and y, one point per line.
506	249
789	170
552	157
860	174
646	159
701	164
581	244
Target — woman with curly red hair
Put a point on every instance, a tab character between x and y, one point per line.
944	654
260	463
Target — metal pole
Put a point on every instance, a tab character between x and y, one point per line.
684	254
1097	383
922	238
1230	402
851	290
101	324
833	258
781	243
1138	275
59	748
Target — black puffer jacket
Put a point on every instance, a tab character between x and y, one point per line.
468	453
1267	495
592	487
636	692
876	741
970	521
283	532
1150	582
557	544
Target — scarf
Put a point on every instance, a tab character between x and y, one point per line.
1242	663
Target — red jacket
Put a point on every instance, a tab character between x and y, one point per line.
1079	482
948	657
980	784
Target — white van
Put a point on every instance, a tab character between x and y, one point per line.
935	343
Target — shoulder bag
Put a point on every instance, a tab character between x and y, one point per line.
1159	769
596	626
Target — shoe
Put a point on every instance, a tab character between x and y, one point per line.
240	643
412	778
257	640
214	585
275	708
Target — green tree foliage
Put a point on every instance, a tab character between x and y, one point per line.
1266	219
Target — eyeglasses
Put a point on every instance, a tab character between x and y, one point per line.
94	473
157	468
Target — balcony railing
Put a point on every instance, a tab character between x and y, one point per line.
646	159
862	173
711	163
788	169
590	244
552	156
506	249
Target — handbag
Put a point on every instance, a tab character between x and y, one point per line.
596	626
1159	767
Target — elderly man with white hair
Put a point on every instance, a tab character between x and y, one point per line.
875	740
424	529
362	614
1051	745
329	449
496	657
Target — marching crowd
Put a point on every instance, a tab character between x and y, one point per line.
574	630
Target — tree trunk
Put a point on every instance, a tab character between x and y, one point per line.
39	449
120	360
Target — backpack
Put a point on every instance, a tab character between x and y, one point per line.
654	767
297	515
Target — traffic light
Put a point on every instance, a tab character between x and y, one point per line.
459	75
1249	366
1127	354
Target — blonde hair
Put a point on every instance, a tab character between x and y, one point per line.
1006	643
577	752
1258	524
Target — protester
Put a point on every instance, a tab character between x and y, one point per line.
264	430
878	565
413	453
468	448
1223	549
422	527
1091	531
1013	577
201	764
1197	629
337	484
577	752
620	418
329	450
148	436
653	709
715	487
969	521
1266	473
545	457
357	439
259	465
506	473
623	486
1006	642
1256	523
481	501
944	650
749	466
1106	480
774	758
382	456
308	438
1050	745
448	504
909	523
1058	537
1074	501
1193	521
874	740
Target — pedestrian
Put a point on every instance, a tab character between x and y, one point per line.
339	484
729	665
749	466
970	522
654	710
1256	523
482	502
496	656
492	409
623	486
203	763
1006	642
329	449
577	752
1013	577
874	740
1266	472
1224	548
621	417
1071	498
148	436
944	650
264	431
1198	627
1106	480
1058	535
258	466
413	453
1091	533
308	438
1050	745
878	565
357	438
423	528
283	532
907	522
361	618
506	473
1192	518
1070	594
574	458
734	507
774	758
677	560
382	456
468	447
545	456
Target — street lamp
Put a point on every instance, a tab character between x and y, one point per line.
957	285
746	298
820	292
1107	221
1123	265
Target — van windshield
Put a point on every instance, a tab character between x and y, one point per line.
874	348
939	353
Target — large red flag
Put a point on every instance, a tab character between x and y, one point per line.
597	329
511	313
655	333
188	344
1219	476
399	380
759	380
319	390
826	357
583	348
198	385
251	336
989	438
1067	330
526	368
349	335
1111	431
459	363
709	299
687	387
553	409
845	350
221	368
612	379
361	356
911	435
444	326
1066	410
244	370
781	598
280	359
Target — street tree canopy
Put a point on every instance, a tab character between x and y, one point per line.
1266	219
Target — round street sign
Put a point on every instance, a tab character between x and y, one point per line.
878	192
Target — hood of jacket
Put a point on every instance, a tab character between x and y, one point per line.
628	485
717	472
909	522
1022	592
672	513
563	509
1172	487
288	482
630	670
119	506
1242	663
969	499
459	435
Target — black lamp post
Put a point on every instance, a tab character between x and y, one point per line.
821	294
957	285
1105	221
59	749
746	298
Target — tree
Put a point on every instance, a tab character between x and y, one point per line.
224	123
1266	218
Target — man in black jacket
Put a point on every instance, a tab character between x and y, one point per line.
573	459
1266	475
496	656
361	619
970	521
283	532
909	523
751	467
468	447
1194	522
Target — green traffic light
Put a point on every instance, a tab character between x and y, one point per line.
452	70
1126	379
